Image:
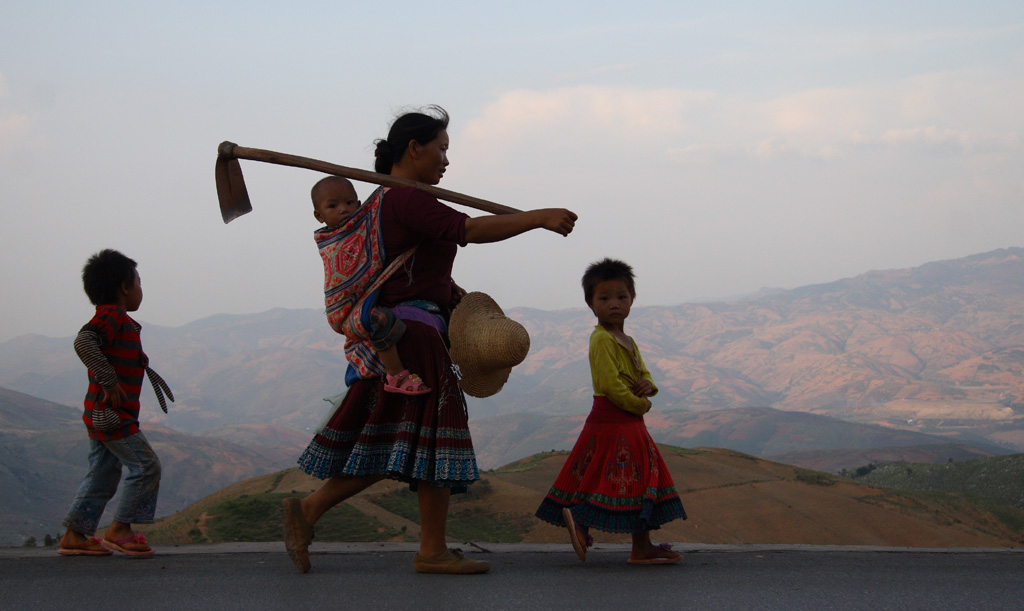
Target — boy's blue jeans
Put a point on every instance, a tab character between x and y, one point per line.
138	498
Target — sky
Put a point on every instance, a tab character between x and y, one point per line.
718	147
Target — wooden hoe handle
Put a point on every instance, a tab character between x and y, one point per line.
232	150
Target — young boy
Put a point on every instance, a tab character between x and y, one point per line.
109	345
334	202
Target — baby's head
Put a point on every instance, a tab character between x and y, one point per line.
334	201
604	271
107	274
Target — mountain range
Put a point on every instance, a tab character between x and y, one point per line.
940	342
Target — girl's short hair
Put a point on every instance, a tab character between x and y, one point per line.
607	269
422	127
104	273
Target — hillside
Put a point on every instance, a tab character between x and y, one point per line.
43	449
999	478
838	461
731	498
791	437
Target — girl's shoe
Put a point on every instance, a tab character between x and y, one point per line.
405	383
661	554
580	540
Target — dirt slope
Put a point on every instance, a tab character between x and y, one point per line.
730	497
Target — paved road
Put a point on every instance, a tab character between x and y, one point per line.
372	576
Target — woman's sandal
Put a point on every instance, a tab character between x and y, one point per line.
661	554
580	540
451	562
405	383
298	533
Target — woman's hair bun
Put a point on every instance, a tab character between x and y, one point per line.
383	149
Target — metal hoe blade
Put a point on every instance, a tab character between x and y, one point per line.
231	191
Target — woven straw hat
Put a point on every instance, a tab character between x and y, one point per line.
486	344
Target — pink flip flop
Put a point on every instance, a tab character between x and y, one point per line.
405	383
118	546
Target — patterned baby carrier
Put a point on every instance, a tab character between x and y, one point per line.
353	257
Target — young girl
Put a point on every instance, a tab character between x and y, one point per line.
614	479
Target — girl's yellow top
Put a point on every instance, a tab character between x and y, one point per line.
614	371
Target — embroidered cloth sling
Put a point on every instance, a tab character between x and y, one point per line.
353	256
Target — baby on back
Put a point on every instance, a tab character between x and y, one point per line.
334	203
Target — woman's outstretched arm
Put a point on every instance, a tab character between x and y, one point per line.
500	227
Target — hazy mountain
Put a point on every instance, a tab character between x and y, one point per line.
937	344
269	368
950	332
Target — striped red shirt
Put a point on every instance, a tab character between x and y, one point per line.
120	359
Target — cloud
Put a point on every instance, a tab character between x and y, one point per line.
692	154
967	140
627	112
970	111
524	136
768	148
920	135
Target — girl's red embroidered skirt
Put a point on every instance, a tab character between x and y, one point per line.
614	480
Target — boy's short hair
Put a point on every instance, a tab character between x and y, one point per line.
607	269
104	273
